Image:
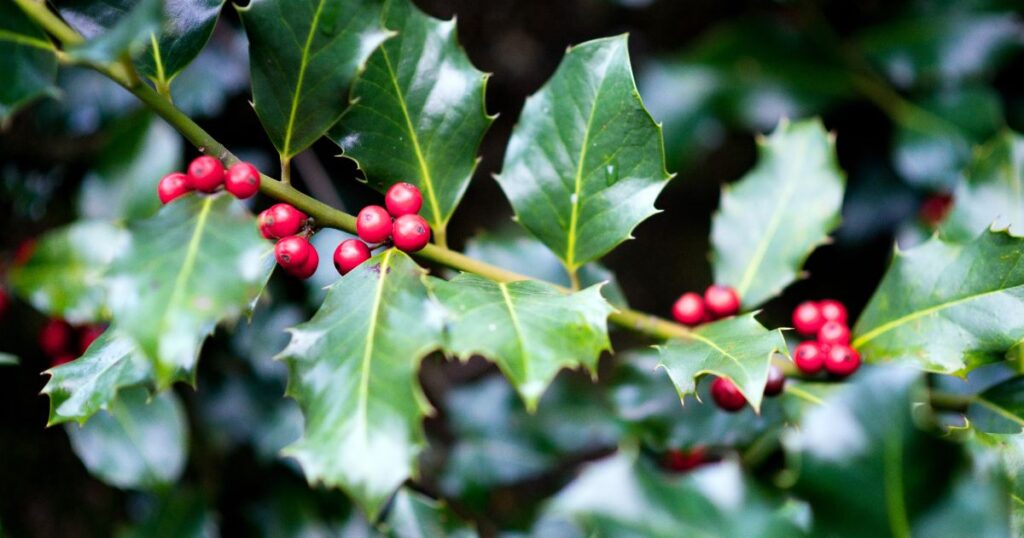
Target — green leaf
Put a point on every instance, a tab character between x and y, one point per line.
947	307
999	408
530	329
199	261
139	443
586	160
625	496
183	514
352	368
413	515
7	359
771	220
122	184
303	56
27	58
64	276
865	468
418	113
738	348
990	191
82	387
510	247
187	26
112	28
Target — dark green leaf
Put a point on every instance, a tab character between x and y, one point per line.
182	513
352	368
992	190
199	261
138	443
187	26
64	276
1000	408
624	496
530	329
509	247
413	516
122	183
112	28
303	55
586	160
27	60
418	113
82	387
771	220
738	348
947	307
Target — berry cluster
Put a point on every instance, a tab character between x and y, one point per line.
207	174
718	302
290	227
57	339
728	396
827	322
399	223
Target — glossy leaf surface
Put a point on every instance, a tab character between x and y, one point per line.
27	58
112	28
187	26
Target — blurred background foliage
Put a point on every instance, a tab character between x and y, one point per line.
910	87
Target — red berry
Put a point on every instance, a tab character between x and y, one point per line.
807	318
841	360
726	395
307	269
373	224
242	180
349	254
935	208
292	252
684	460
722	301
205	173
403	199
410	233
172	186
832	310
87	335
834	333
281	220
24	251
809	357
55	337
776	381
689	309
63	359
4	302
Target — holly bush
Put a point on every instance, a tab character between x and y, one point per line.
524	377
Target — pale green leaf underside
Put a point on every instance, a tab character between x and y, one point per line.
530	329
992	191
64	276
352	369
197	262
303	55
586	160
770	221
738	348
418	112
947	307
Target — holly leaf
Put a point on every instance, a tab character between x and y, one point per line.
187	26
138	443
418	112
946	307
413	515
531	330
27	58
303	55
738	348
199	261
771	220
999	408
585	148
352	368
623	495
112	28
64	276
123	181
185	514
80	388
510	247
989	194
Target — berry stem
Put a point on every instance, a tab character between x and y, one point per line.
325	215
